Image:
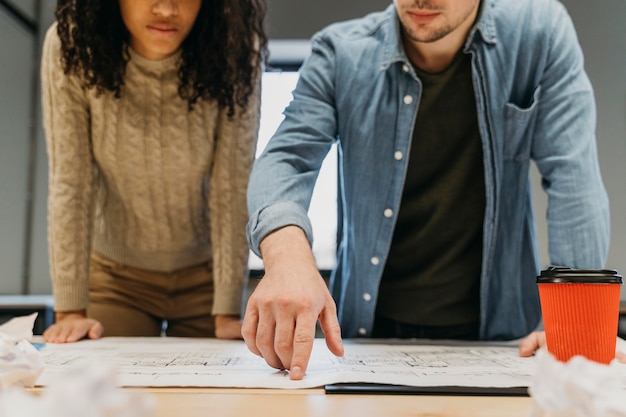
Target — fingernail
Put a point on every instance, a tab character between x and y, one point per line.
296	372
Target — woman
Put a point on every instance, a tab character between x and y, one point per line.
151	112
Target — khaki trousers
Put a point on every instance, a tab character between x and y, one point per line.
137	302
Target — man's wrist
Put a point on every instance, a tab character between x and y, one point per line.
286	243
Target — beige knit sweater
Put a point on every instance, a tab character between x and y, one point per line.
142	180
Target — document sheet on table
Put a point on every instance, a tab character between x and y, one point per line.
183	362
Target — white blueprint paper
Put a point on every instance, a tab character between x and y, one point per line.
167	362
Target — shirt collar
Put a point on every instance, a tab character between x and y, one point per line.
485	24
393	51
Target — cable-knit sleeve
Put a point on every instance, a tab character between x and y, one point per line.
234	155
71	178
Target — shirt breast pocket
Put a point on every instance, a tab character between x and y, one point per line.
519	123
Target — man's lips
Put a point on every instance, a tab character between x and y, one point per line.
423	17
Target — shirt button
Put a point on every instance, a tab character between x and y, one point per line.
408	99
388	213
405	68
367	296
362	331
375	260
397	155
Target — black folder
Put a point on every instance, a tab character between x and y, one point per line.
388	389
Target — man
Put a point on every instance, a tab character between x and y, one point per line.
438	108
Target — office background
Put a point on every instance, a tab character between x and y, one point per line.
23	166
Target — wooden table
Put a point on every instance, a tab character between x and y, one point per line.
215	402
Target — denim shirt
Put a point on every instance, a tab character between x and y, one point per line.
534	103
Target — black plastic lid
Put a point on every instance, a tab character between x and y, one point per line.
561	274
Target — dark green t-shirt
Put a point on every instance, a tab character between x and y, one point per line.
432	275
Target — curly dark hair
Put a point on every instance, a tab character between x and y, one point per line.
221	56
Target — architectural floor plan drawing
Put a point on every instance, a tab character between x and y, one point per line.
177	362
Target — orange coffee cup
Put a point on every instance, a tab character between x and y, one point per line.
580	309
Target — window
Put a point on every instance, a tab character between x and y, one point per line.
277	86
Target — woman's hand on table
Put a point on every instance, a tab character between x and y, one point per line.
72	326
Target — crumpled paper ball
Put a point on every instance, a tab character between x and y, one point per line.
89	390
577	388
20	365
20	362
